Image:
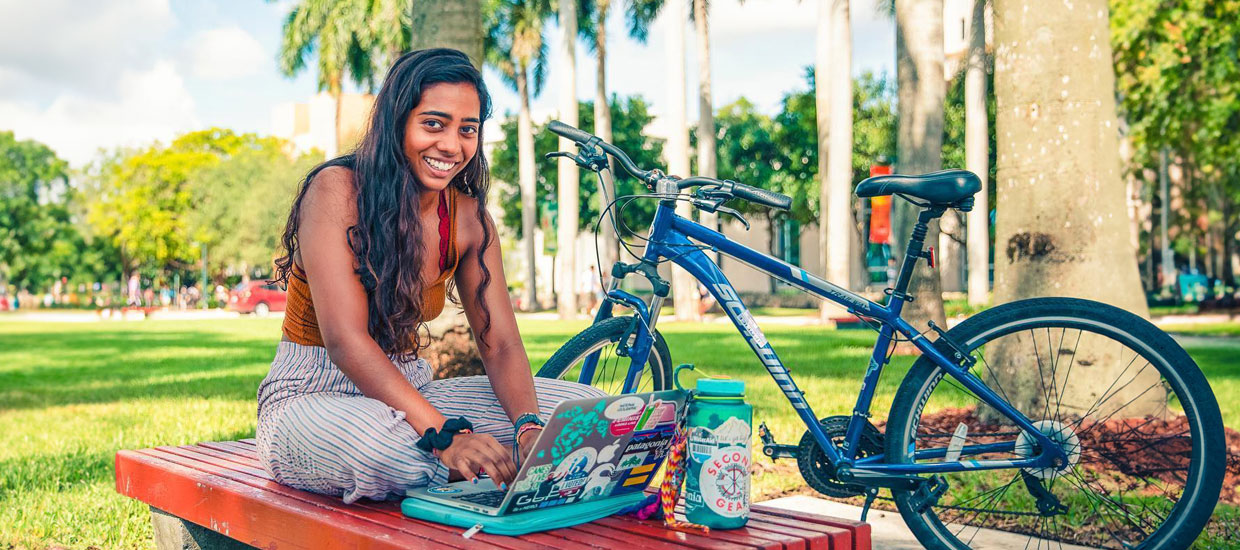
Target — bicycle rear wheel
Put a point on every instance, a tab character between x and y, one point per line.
1134	413
611	368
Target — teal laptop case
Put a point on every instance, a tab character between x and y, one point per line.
521	523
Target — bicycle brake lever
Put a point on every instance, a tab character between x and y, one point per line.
732	212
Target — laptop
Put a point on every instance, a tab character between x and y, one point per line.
591	450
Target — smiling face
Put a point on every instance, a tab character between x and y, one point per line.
441	135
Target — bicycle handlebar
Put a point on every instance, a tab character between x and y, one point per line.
750	193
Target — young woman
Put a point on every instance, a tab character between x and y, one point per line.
375	241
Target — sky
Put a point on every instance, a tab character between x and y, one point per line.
85	76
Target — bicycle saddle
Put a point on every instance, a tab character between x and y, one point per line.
954	188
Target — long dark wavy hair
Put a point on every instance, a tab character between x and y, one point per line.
387	240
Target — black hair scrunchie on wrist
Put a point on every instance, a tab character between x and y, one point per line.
438	440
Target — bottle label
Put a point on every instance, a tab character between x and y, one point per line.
724	482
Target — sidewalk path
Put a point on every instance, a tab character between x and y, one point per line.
890	533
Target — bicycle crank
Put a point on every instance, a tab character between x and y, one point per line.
819	472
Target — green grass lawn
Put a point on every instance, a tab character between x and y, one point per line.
71	395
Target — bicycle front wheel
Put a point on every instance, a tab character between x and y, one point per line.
1133	412
610	369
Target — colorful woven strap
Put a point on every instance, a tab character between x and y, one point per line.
669	492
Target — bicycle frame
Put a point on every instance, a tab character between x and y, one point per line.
669	239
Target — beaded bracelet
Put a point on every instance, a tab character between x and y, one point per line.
522	424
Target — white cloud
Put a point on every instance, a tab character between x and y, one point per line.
226	53
754	16
149	105
79	45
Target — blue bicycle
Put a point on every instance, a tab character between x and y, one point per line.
1128	454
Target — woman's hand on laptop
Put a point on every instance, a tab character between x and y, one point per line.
472	452
526	441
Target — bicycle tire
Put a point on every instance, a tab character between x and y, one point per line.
597	336
1178	373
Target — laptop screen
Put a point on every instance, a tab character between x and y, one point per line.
597	448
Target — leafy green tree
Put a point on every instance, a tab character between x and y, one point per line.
631	115
242	203
38	241
140	202
1178	80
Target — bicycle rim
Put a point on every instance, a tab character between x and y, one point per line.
1113	402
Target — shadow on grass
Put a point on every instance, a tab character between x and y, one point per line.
60	472
66	367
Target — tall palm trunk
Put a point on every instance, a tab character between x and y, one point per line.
706	155
977	157
569	176
610	251
838	181
448	24
822	112
1061	225
528	176
684	291
337	142
919	140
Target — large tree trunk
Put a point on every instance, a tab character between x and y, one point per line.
610	245
684	289
1061	226
977	157
706	155
453	24
921	91
838	179
569	175
528	175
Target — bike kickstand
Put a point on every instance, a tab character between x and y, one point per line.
871	493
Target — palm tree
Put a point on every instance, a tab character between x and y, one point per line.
569	177
706	154
515	47
1061	219
338	32
594	31
922	91
833	95
449	24
977	158
684	290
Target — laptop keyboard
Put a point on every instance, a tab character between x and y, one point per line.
489	498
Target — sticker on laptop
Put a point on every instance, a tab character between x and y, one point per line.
534	476
443	490
582	425
624	407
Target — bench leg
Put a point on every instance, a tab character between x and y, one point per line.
174	533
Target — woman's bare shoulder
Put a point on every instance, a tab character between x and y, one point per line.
468	226
331	193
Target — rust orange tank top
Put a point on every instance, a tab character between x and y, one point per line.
301	325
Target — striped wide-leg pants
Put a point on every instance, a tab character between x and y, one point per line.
317	432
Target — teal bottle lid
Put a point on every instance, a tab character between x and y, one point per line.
721	387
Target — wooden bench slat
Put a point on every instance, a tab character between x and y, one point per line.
200	497
858	532
744	536
387	514
223	487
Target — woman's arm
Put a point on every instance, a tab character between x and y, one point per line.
503	354
329	209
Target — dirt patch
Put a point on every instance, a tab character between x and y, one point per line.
453	354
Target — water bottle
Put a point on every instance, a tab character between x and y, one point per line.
718	453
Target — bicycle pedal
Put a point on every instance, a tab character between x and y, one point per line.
772	449
928	494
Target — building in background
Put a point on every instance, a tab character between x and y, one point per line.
312	124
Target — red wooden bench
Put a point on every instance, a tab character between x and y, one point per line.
199	492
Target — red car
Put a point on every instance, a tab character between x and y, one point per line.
257	297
